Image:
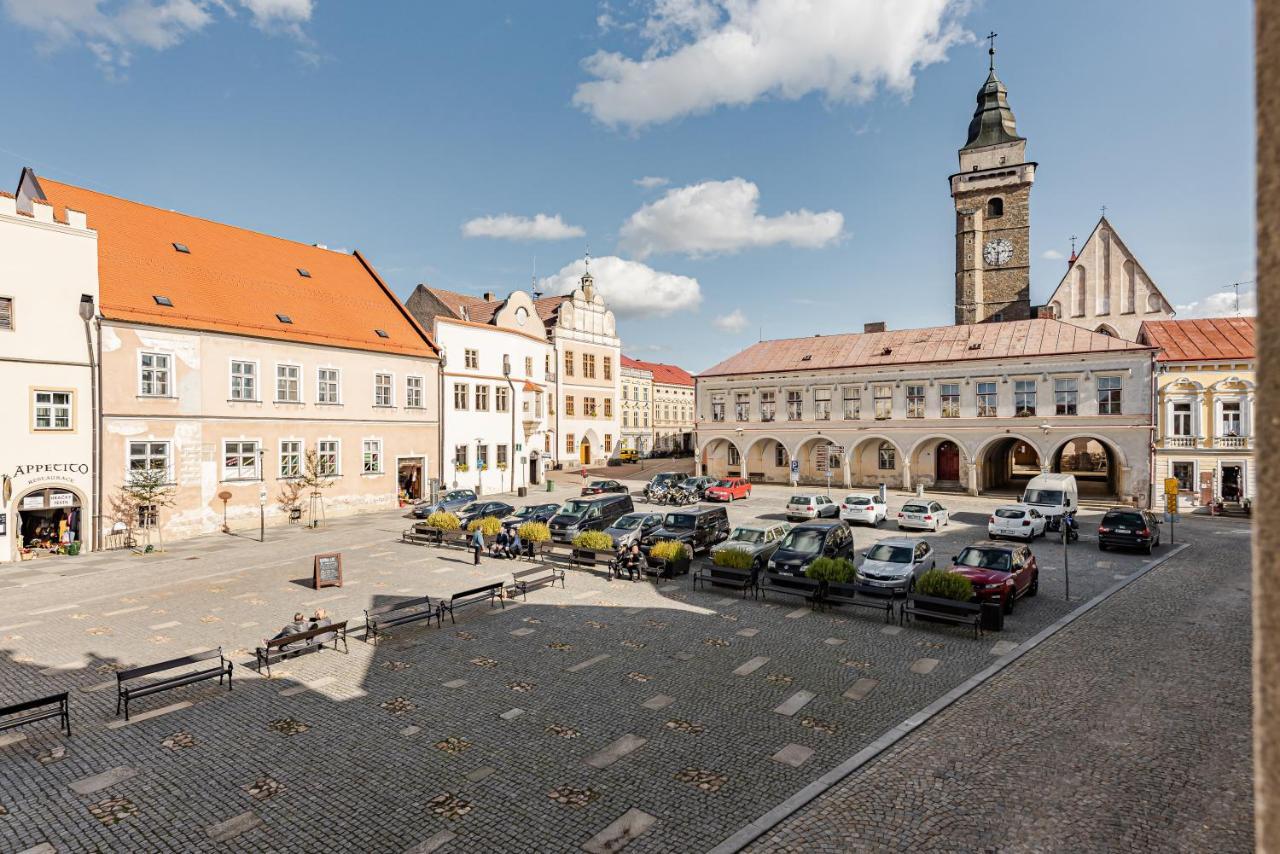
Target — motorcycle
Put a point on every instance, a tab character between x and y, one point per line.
683	497
655	493
1071	527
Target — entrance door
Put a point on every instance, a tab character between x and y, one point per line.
1231	483
533	470
948	462
411	479
49	520
584	453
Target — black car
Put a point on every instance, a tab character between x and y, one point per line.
592	513
700	527
481	509
809	541
531	513
600	487
1129	528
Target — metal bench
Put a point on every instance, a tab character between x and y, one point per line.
860	596
727	576
33	711
301	643
791	585
491	592
523	579
124	694
946	610
378	620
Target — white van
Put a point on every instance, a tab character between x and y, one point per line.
1052	495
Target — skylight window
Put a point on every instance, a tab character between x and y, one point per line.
382	333
806	357
182	247
164	301
284	318
304	273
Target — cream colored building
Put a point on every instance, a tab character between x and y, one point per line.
672	407
1205	407
637	406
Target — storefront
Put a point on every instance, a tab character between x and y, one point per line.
412	477
49	521
45	511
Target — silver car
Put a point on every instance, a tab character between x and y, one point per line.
895	564
633	527
760	541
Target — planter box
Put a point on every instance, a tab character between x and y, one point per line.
670	568
944	608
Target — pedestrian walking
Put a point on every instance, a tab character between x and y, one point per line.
477	544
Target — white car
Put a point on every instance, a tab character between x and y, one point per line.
868	509
929	515
811	507
1018	521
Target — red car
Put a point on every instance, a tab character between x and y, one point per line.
1000	572
728	489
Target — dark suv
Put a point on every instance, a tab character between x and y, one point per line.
1129	528
700	527
809	541
588	514
1000	572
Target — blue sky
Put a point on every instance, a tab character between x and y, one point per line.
805	156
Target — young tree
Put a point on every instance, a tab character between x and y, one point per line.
142	495
315	479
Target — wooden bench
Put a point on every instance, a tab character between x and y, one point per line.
860	596
523	579
427	535
301	643
727	576
34	711
491	592
791	585
378	620
126	693
946	610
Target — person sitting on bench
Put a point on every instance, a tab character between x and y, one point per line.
318	621
499	547
299	624
514	545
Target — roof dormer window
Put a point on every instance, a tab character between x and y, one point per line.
163	300
382	333
284	318
304	273
181	247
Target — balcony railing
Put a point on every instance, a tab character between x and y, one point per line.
1179	441
1231	441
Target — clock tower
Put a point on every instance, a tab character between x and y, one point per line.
992	193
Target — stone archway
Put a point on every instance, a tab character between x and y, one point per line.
940	462
874	460
767	460
1006	463
721	458
816	460
1095	462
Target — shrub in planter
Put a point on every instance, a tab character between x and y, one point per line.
489	525
833	570
733	558
534	532
444	521
670	550
597	540
945	585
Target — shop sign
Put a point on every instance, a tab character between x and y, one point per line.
51	468
62	499
33	502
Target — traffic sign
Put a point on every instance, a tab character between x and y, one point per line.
1171	504
835	450
262	495
795	466
1170	486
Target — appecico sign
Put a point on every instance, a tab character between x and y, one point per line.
51	468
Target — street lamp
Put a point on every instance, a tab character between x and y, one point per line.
262	496
481	462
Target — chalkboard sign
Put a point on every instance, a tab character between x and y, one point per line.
327	571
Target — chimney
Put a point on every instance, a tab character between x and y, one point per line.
76	219
488	296
877	326
42	211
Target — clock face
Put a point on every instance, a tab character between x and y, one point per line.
997	252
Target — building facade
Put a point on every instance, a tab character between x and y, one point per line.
233	361
1205	407
673	406
976	408
48	301
588	359
637	406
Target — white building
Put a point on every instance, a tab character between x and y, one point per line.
48	347
636	406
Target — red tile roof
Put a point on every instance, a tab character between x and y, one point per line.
628	362
482	311
662	373
236	281
1200	340
1012	339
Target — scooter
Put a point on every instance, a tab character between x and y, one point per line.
1071	526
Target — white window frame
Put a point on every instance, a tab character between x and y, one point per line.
337	456
54	408
168	373
5	298
257	380
390	387
337	383
471	358
1195	472
409	390
482	396
257	460
379	462
501	398
282	472
465	397
168	455
298	381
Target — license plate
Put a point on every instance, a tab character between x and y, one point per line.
1122	530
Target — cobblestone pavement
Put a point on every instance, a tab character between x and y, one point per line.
1127	731
619	709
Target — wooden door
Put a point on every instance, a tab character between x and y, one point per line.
948	461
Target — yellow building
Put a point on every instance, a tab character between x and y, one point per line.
1204	407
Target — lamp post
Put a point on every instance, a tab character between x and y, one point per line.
480	465
262	496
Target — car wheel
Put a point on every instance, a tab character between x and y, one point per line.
899	526
1008	602
1102	547
1035	585
1148	549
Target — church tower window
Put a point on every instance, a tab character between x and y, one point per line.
995	208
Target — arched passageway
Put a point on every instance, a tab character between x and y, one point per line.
1007	464
1092	461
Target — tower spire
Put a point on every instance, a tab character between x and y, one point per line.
991	50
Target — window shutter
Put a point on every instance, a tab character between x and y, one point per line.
6	312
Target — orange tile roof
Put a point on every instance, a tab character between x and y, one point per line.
1200	340
236	281
662	373
628	362
1012	339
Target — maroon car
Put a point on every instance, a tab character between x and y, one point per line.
1000	572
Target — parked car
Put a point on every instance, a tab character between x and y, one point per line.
1000	572
599	487
811	540
593	513
758	540
896	564
700	527
531	513
728	489
1052	494
481	509
698	485
811	507
867	508
1129	528
929	515
453	501
1018	521
633	527
628	455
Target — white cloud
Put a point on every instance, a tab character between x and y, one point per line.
734	321
1052	255
651	182
512	227
629	288
722	216
1220	304
703	54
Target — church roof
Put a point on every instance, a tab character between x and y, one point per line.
1063	291
993	121
961	343
1204	339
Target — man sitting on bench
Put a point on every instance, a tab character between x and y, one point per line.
499	547
299	624
318	621
514	545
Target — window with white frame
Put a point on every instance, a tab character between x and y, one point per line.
1109	390
717	408
244	380
288	384
589	407
1185	474
589	365
987	400
372	456
822	404
1024	397
883	399
1182	418
608	407
734	458
852	404
1232	422
915	401
290	458
459	456
482	398
886	457
240	460
383	393
460	396
52	410
6	312
768	407
528	366
569	446
413	392
327	388
949	394
1065	395
148	456
154	374
482	457
471	358
502	456
502	399
327	457
608	367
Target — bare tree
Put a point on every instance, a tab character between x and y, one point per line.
140	498
315	478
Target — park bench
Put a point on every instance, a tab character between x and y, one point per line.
428	535
34	711
860	596
791	585
126	693
523	579
301	643
945	610
727	576
490	592
378	620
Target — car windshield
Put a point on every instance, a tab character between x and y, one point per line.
747	535
526	511
724	483
890	554
1009	513
1043	496
804	542
574	508
857	500
627	523
799	499
678	520
914	508
996	559
459	496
